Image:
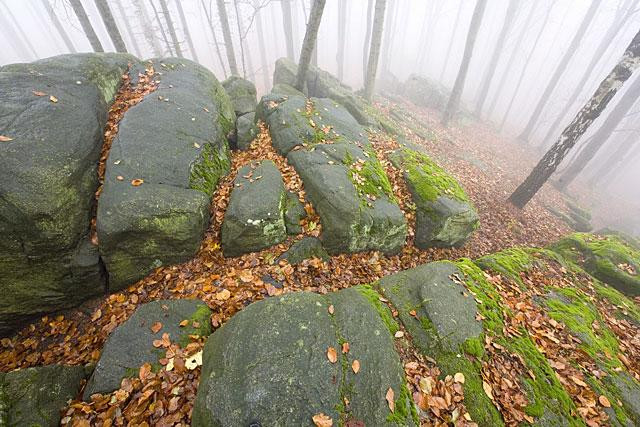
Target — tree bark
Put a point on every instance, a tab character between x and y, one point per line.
147	28
367	41
162	32
226	34
288	27
208	14
185	29
456	93
560	69
171	28
490	71
342	30
59	28
308	44
592	109
110	25
80	13
451	39
127	27
374	50
263	53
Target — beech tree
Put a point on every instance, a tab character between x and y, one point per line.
161	28
110	25
226	34
452	38
374	49
81	14
590	111
58	26
454	99
147	28
309	42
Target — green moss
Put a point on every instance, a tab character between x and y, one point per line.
213	164
371	180
202	318
404	408
385	314
509	262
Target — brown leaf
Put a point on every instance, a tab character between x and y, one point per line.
137	182
4	138
390	401
96	315
345	347
459	377
578	381
184	323
53	99
322	420
331	309
155	328
223	295
355	366
246	276
332	355
487	389
38	93
604	401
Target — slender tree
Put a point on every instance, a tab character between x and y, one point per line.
81	14
240	36
185	30
560	69
287	22
172	30
456	93
226	34
162	32
374	49
310	36
110	25
58	26
127	26
12	36
387	36
263	53
147	28
452	38
490	71
367	40
342	31
591	111
208	13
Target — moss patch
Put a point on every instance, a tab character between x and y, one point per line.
368	176
385	314
213	164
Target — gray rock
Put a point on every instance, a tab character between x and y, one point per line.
246	130
48	176
174	140
305	248
131	344
285	378
285	89
293	213
242	93
36	396
425	92
254	219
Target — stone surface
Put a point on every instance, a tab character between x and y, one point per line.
175	141
305	248
286	378
242	93
131	344
425	92
246	130
35	396
444	214
48	176
254	219
294	213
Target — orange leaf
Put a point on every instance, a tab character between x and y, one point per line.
487	389
345	347
184	323
332	355
96	315
223	295
578	381
246	276
390	401
38	93
155	328
137	182
53	99
322	420
604	401
4	138
355	366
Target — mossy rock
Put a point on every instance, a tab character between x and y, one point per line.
444	214
246	131
130	345
285	89
294	212
242	93
305	248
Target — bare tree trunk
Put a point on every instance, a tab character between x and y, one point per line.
342	30
162	32
127	27
571	50
456	93
185	29
263	53
374	50
110	25
367	40
288	27
59	28
240	36
78	9
490	71
226	34
208	14
171	28
451	39
387	36
585	117
147	28
315	16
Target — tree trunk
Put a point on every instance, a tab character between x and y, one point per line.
185	29
147	28
240	37
342	30
374	50
78	9
59	28
560	69
263	53
127	26
215	39
585	117
387	37
288	27
171	28
315	16
622	15
162	32
367	41
456	92
451	39
490	71
226	34
526	65
110	25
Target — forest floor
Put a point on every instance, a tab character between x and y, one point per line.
488	167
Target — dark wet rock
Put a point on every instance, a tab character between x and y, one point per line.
242	93
246	130
130	345
305	248
293	213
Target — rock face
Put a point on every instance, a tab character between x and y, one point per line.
341	173
254	219
242	93
175	141
246	130
35	396
48	176
131	345
425	92
444	214
293	214
305	248
286	377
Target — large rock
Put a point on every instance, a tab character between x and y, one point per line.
36	396
254	219
246	130
48	176
444	214
285	378
425	92
305	248
242	93
131	344
175	141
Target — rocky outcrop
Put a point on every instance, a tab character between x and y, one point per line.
425	92
173	144
246	130
444	214
242	93
131	345
54	111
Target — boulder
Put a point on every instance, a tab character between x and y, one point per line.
254	219
294	213
425	92
131	344
285	89
36	396
305	248
175	142
242	93
444	214
246	130
48	177
286	378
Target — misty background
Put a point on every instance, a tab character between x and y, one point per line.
424	37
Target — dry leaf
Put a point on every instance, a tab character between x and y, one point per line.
332	355
578	381
399	334
96	315
4	138
331	309
192	362
426	385
38	93
390	401
604	401
155	328
459	377
184	323
223	295
487	389
246	276
345	347
322	420
137	182
355	366
53	99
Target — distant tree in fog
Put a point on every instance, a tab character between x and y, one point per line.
161	28
110	25
185	30
367	40
454	99
58	26
80	13
127	26
287	23
309	42
226	34
388	36
629	62
374	49
451	39
147	28
560	69
263	53
490	70
208	14
342	30
171	28
625	153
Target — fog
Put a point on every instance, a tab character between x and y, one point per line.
420	37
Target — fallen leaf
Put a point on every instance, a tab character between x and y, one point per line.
246	276
604	401
459	377
223	295
192	362
120	178
184	323
426	385
332	355
399	334
155	328
38	93
355	366
322	420
390	401
137	182
331	309
345	347
4	138
487	389
96	315
53	99
578	381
